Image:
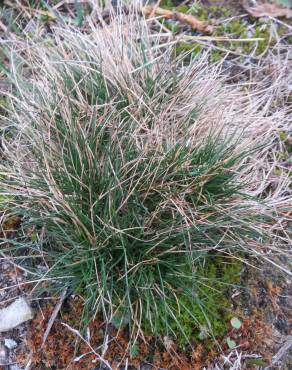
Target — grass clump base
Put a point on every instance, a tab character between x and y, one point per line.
128	169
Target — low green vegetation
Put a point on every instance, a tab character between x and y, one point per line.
208	309
235	28
239	29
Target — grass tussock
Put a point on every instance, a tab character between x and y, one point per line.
130	169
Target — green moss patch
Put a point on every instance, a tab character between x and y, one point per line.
206	312
233	29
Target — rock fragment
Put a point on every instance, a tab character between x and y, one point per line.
15	314
10	343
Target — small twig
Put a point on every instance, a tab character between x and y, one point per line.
193	22
28	365
221	38
100	358
3	27
283	350
156	5
53	317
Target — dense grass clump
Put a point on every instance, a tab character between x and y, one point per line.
125	166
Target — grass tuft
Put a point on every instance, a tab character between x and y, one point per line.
128	169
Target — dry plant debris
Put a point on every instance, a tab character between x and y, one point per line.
267	10
64	349
188	19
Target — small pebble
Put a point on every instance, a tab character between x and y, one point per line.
4	353
10	343
14	367
15	314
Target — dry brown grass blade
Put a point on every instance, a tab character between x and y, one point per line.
193	22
